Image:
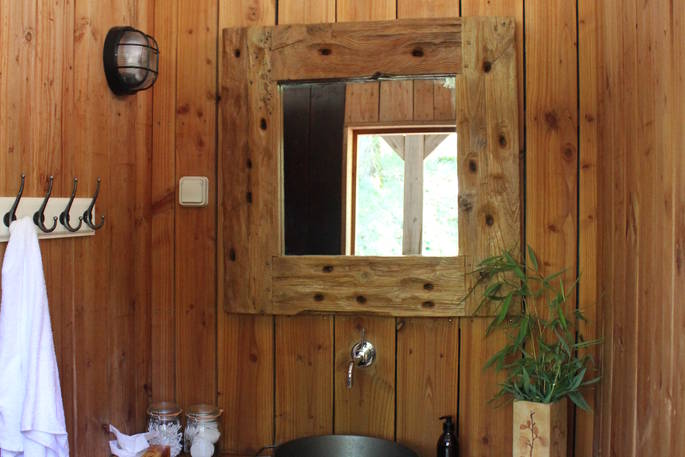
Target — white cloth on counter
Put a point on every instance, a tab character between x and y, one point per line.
128	446
31	412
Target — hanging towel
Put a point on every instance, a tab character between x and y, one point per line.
31	411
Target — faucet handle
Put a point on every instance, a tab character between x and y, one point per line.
363	353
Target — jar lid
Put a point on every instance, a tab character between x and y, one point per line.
164	409
203	412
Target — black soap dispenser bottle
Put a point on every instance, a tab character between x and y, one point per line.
447	444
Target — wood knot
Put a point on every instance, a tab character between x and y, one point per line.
318	297
473	166
262	124
325	51
428	304
248	197
236	53
489	220
551	120
327	268
231	254
428	286
487	66
568	153
465	204
248	163
417	52
28	36
502	140
361	299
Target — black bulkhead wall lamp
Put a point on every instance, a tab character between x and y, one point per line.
131	60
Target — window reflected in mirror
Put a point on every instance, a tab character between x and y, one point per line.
370	168
405	186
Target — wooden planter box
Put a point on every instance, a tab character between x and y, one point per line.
540	429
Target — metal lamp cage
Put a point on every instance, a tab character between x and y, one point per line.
131	60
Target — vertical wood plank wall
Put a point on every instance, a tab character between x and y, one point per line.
58	117
305	356
601	95
642	232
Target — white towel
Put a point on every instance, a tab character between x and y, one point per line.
31	411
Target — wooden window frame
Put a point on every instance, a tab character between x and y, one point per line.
349	193
257	278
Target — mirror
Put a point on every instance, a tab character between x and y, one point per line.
397	97
370	168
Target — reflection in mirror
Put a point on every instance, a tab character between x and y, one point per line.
405	194
370	168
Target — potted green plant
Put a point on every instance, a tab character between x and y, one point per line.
543	356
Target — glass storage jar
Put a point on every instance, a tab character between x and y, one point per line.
202	431
164	419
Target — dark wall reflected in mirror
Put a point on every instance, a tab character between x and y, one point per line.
313	120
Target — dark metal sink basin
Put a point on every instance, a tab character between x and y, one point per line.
342	446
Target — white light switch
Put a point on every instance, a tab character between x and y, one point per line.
193	191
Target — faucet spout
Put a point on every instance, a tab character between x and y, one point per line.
350	369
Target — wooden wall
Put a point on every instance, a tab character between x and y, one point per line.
58	117
642	226
205	354
134	308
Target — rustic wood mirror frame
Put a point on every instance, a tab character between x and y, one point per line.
257	278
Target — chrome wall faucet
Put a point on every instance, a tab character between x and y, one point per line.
363	354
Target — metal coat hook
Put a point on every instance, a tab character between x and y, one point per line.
88	217
64	215
12	214
39	216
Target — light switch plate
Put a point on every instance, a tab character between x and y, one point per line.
193	191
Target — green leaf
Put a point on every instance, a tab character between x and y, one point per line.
592	381
497	360
523	332
579	401
515	267
533	259
585	344
501	314
562	318
578	379
562	342
492	289
526	378
552	277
